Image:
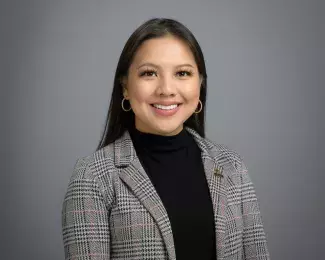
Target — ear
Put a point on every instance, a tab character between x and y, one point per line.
125	93
124	86
201	80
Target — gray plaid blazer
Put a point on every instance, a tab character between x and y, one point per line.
111	210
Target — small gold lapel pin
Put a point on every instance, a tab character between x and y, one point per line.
218	171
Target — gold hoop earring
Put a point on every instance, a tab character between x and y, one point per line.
201	106
122	104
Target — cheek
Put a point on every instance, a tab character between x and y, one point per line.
140	96
191	93
139	93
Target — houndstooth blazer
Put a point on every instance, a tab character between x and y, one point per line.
111	210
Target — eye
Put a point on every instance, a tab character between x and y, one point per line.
148	73
184	73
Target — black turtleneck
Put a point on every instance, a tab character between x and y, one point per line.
174	165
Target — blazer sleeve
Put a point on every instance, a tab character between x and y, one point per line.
85	223
254	237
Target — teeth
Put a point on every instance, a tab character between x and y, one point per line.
165	107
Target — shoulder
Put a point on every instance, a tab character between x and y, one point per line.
90	166
223	155
90	175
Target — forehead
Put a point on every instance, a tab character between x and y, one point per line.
164	50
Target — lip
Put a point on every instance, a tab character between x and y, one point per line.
169	112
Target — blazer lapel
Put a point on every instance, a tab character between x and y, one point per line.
133	174
215	175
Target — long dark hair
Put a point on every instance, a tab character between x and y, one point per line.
117	120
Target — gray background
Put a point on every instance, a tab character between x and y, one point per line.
265	62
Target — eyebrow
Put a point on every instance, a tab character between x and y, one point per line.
157	66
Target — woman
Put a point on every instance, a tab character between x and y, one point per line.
156	188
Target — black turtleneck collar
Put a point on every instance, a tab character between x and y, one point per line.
160	143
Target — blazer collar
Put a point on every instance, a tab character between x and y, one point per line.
124	151
133	174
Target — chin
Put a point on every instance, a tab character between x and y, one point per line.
167	129
160	126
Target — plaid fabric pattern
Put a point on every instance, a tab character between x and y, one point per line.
112	211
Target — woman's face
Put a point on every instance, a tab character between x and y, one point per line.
163	85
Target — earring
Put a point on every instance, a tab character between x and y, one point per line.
122	104
201	106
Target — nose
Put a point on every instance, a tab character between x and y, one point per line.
166	86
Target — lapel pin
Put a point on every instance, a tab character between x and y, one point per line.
218	171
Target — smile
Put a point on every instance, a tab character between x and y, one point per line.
170	107
165	110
